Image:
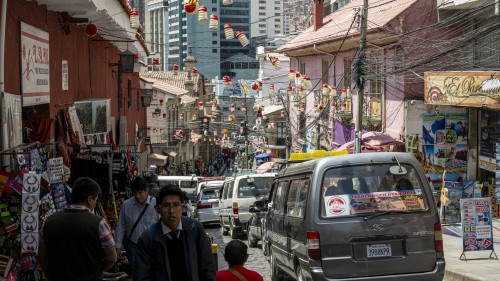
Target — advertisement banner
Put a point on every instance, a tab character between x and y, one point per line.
477	230
35	69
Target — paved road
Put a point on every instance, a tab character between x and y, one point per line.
256	260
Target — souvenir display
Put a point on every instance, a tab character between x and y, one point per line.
29	214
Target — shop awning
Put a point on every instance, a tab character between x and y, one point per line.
157	159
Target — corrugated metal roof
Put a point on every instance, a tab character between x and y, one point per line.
336	25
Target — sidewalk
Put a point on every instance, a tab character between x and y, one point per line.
471	270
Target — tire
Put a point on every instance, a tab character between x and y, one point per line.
252	242
298	274
276	274
233	232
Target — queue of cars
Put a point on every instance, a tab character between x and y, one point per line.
360	217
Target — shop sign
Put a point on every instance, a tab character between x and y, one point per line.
474	89
476	224
35	69
488	164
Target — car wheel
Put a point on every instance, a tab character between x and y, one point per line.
252	242
233	232
276	274
299	275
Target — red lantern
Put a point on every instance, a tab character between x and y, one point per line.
194	70
191	8
291	74
161	101
289	90
194	118
271	89
156	61
214	22
260	85
282	113
243	107
175	69
202	15
91	30
255	86
232	107
201	105
164	115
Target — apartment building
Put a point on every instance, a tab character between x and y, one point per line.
267	18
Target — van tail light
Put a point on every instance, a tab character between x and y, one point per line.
313	250
200	205
438	238
235	208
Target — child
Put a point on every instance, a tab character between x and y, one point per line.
236	255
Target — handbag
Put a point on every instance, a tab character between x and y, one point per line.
237	274
126	239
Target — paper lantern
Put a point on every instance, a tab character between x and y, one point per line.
194	118
275	61
194	71
214	22
191	7
289	90
326	89
227	2
91	30
227	81
243	39
243	107
214	106
228	31
161	101
231	118
302	92
334	91
232	107
202	15
282	113
344	93
307	82
205	120
175	69
291	74
156	61
260	85
201	105
134	18
302	107
256	108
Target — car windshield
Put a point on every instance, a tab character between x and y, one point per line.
369	189
210	194
254	186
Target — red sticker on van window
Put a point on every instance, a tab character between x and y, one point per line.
336	205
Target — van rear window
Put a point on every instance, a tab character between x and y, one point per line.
254	186
366	189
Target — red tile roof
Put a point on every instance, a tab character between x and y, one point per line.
336	25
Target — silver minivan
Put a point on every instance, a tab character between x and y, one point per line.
367	216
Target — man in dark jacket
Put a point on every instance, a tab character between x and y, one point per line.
176	248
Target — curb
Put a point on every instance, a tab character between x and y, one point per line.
457	276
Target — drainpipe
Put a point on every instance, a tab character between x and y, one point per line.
3	22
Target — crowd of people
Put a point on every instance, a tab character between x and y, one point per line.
160	242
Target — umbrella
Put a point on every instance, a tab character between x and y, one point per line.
262	156
264	167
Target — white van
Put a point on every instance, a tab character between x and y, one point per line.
186	183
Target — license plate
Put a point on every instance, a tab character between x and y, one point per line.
378	250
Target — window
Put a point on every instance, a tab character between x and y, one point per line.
214	9
214	42
214	34
297	198
277	25
262	14
324	70
262	25
277	20
254	186
347	72
262	8
228	190
302	68
374	98
279	198
214	50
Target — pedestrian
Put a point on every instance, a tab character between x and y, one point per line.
176	248
236	255
153	189
188	206
136	215
75	244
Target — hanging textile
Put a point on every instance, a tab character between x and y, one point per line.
60	136
39	130
76	125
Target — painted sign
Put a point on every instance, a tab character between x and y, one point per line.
477	231
35	69
472	89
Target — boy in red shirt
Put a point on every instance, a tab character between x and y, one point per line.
236	255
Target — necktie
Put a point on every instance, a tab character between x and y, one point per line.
174	234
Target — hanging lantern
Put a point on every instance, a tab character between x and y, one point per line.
91	30
214	22
154	131
291	74
231	118
243	107
298	79
326	89
175	69
164	115
282	113
275	61
149	128
228	31
214	106
227	81
194	70
320	107
307	82
260	85
191	7
201	105
227	2
194	118
243	39
256	108
202	15
302	92
302	107
271	89
161	101
232	107
344	93
156	61
181	116
134	18
255	86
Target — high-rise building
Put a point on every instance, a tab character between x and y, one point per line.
171	30
267	18
297	14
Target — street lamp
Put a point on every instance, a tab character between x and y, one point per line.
125	65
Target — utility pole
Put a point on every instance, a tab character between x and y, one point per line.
360	81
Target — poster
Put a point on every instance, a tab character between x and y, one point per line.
476	224
35	65
455	193
55	169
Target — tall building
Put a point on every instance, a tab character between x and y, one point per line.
298	14
267	18
171	30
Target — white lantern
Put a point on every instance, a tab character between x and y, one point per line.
291	74
214	22
134	19
243	39
228	31
202	15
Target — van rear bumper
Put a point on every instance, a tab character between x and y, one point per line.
437	274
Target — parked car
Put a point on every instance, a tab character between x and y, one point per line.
255	223
206	209
362	216
237	195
